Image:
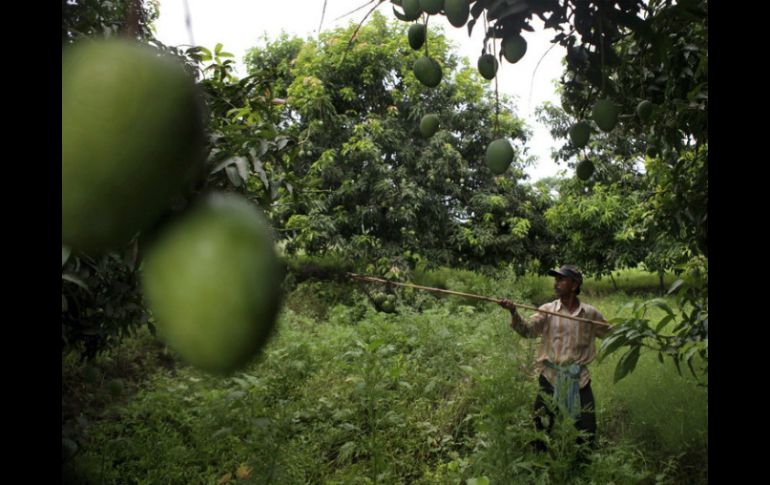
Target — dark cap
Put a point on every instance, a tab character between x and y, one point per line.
568	270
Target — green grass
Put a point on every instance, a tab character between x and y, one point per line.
440	392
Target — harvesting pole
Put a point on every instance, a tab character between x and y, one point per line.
470	295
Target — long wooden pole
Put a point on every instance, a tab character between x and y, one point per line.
470	295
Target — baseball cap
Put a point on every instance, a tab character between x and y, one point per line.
568	270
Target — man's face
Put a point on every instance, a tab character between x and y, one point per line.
564	286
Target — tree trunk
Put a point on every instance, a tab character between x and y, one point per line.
660	281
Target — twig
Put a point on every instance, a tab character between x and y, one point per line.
534	72
356	9
497	91
188	22
323	14
360	24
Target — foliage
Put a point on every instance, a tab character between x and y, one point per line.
95	18
101	298
665	61
439	396
685	343
359	189
248	152
589	223
630	51
662	162
101	301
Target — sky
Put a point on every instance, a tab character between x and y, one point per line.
241	24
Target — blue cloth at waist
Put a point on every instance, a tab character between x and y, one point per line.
566	390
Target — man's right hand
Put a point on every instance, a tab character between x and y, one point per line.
508	305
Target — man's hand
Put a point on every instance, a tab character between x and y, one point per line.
508	305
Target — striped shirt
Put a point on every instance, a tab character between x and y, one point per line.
563	341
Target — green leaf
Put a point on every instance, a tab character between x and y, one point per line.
675	286
690	352
477	481
633	334
281	142
74	279
221	432
238	112
233	176
206	54
218	48
259	168
663	322
626	364
611	344
660	303
347	450
400	16
242	165
65	255
477	8
629	306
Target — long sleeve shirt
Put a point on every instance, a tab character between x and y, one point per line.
562	341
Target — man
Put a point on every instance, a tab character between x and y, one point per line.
566	348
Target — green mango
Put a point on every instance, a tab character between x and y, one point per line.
412	10
213	282
428	71
514	48
416	35
499	156
605	114
431	7
457	12
585	169
644	110
487	65
132	140
580	133
429	125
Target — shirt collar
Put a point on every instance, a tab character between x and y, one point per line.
559	307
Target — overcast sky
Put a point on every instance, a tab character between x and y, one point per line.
240	24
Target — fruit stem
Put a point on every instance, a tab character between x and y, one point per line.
496	130
358	27
601	46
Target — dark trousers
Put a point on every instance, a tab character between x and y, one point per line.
543	411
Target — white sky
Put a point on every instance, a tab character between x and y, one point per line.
240	24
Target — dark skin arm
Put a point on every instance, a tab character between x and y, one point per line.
508	305
526	328
511	307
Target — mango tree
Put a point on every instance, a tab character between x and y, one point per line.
367	181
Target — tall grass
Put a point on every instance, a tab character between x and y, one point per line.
440	392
